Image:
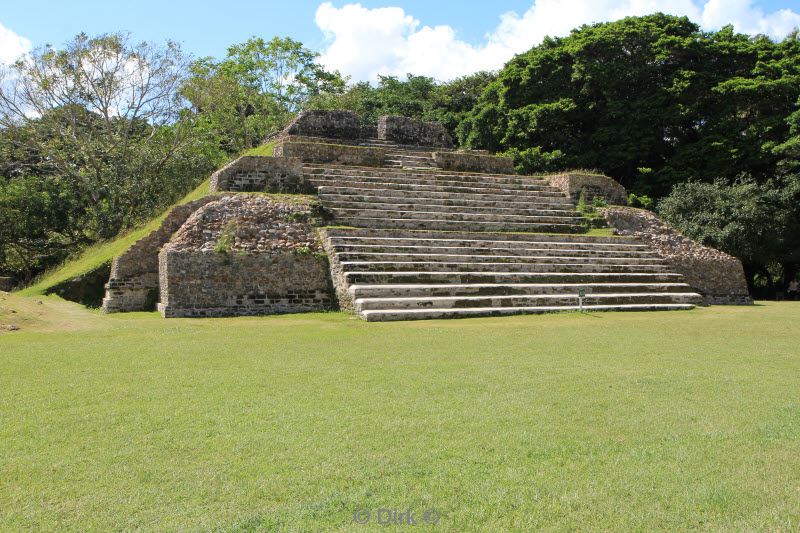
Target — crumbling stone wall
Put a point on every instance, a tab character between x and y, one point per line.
245	255
717	276
405	130
133	281
473	162
591	185
342	154
337	124
261	173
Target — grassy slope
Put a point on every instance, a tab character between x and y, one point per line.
263	150
651	421
96	255
100	253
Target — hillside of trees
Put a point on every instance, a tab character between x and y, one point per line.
100	134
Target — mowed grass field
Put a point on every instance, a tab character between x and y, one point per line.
627	422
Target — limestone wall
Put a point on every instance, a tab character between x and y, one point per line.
719	277
211	284
133	281
245	255
261	173
338	124
473	162
342	154
404	130
592	185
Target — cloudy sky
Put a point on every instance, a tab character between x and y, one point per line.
440	38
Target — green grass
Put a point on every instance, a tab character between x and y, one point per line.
625	422
103	252
263	150
94	256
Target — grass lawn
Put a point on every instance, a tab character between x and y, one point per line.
651	421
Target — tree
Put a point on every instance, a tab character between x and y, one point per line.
418	97
256	89
93	139
651	101
755	222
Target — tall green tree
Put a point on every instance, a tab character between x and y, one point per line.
94	138
256	89
651	101
418	97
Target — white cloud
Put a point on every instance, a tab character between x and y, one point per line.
366	42
12	46
748	18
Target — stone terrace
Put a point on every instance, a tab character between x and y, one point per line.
420	230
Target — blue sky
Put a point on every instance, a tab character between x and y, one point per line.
443	38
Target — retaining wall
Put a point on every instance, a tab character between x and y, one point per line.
341	154
472	162
591	185
717	276
263	174
404	130
212	284
133	281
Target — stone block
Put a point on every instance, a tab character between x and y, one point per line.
473	162
404	130
341	154
261	174
591	185
337	124
245	255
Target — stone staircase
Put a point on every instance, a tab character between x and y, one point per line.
438	200
427	243
405	275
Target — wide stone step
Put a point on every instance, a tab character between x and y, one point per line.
494	258
533	199
310	168
429	174
546	300
342	202
402	200
520	249
463	184
449	238
455	225
462	216
496	266
414	188
426	314
465	278
509	289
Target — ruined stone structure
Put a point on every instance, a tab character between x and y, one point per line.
267	174
418	230
244	255
404	130
591	186
717	276
133	284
